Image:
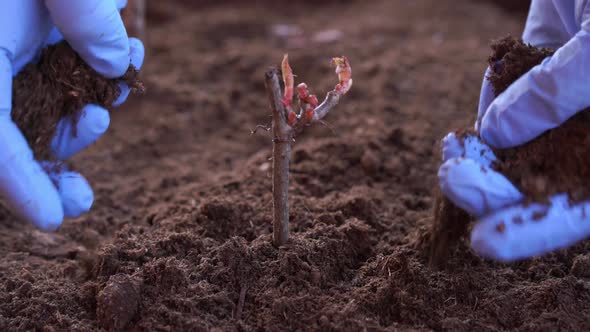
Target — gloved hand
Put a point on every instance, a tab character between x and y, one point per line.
95	30
542	99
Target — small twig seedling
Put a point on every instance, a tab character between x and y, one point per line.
286	124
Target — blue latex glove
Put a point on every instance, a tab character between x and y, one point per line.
95	30
542	99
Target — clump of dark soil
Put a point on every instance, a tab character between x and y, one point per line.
555	162
510	59
57	87
118	302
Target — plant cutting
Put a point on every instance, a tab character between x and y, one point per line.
287	124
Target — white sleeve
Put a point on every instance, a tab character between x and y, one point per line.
545	25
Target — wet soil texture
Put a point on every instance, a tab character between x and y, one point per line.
179	238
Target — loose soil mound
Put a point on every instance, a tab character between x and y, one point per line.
57	87
179	237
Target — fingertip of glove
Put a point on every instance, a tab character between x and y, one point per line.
48	218
93	123
490	247
450	147
136	52
97	120
76	195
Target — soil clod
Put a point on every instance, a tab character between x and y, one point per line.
118	302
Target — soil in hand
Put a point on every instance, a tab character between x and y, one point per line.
555	162
57	87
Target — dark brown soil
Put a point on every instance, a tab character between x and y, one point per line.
515	6
179	238
58	86
510	59
555	162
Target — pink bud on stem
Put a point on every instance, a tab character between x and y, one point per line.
286	124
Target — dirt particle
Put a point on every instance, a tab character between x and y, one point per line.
25	289
370	162
538	215
165	274
316	276
581	266
264	167
108	262
397	137
88	296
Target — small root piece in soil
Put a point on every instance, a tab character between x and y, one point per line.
57	87
241	300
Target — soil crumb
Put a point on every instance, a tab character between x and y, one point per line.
57	87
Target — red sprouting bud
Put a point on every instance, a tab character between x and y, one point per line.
292	118
305	97
288	80
302	91
344	72
312	100
309	114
